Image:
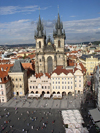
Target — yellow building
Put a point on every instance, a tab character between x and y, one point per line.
90	61
19	81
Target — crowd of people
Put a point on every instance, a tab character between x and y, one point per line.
16	120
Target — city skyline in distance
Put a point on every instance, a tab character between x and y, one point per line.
18	20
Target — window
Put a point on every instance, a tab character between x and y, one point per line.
79	85
36	87
68	87
53	82
62	82
79	76
2	100
40	60
33	87
58	87
71	87
19	79
75	81
42	87
1	92
71	82
39	44
65	87
16	86
16	79
79	80
20	86
62	87
30	87
48	87
1	86
59	56
45	87
56	82
12	79
75	85
68	82
59	43
53	87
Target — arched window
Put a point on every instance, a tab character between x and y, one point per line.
39	44
59	43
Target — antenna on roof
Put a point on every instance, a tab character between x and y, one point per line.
39	11
58	9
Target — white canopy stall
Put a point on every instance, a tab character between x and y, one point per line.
34	95
57	96
47	95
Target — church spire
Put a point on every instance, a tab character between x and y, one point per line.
58	27
40	28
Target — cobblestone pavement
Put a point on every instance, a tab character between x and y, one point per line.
67	102
30	121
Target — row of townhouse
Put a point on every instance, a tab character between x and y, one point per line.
18	82
61	81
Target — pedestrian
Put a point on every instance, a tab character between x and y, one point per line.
31	127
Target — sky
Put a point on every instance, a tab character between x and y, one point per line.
18	20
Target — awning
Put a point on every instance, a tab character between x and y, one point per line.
33	95
57	95
47	95
95	113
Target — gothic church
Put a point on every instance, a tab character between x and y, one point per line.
49	55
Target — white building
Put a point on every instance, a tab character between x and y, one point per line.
65	81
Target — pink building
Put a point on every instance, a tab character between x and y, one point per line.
39	84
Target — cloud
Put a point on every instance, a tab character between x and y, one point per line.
5	10
22	31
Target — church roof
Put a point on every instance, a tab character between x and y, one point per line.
40	28
58	28
17	67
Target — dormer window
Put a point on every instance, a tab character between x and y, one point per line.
6	78
0	79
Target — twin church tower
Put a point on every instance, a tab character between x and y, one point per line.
50	55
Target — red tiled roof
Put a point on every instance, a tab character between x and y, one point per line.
4	61
6	67
3	75
38	75
31	56
58	71
27	66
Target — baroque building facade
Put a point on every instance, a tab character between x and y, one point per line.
49	55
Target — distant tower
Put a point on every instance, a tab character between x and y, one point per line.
59	41
40	38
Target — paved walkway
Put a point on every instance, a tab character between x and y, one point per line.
67	102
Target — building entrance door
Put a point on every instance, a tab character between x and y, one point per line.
17	93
